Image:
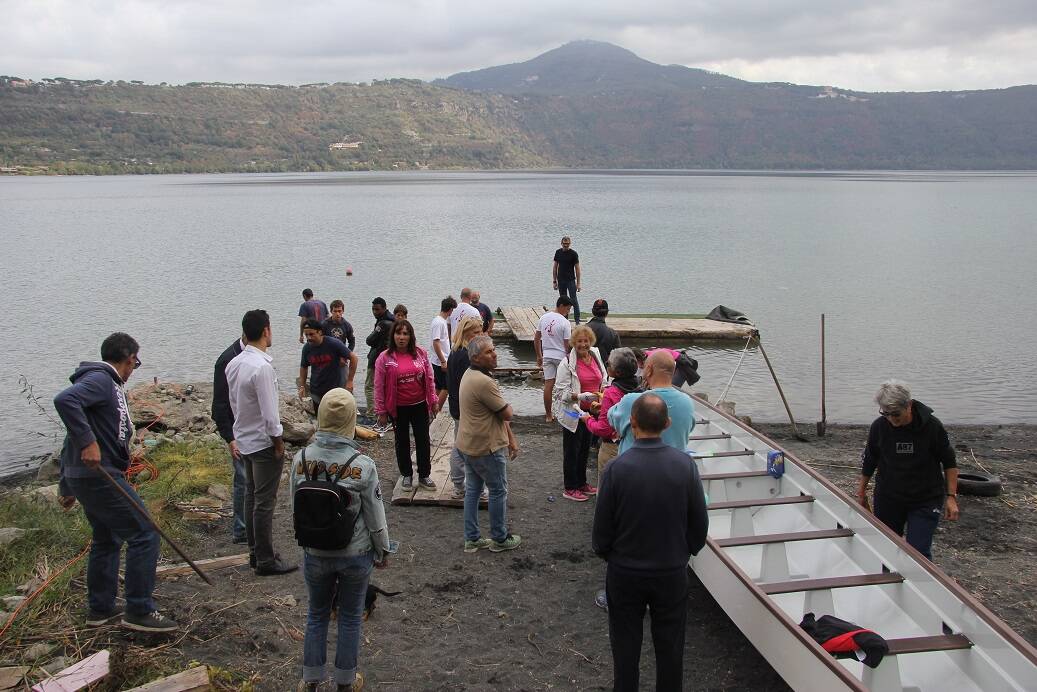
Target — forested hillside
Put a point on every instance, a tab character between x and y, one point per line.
585	104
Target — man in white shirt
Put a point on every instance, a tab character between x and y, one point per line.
551	342
252	385
439	350
464	309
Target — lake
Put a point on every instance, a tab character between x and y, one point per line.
926	277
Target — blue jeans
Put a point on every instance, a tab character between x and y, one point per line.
456	463
325	576
569	288
491	470
916	523
240	486
114	522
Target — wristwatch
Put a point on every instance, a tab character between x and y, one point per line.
954	495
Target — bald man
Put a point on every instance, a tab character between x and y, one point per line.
658	374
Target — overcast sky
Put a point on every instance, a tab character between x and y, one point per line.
868	45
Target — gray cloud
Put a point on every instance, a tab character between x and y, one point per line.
878	45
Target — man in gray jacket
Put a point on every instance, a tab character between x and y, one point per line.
342	572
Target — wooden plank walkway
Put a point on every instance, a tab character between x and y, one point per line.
441	433
521	323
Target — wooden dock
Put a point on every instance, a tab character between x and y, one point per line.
521	323
442	434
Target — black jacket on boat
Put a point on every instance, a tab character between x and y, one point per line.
841	638
910	459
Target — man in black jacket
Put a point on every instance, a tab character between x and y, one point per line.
606	338
918	475
649	520
378	340
224	419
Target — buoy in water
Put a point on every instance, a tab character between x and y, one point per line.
349	271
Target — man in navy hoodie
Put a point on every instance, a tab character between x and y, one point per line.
97	418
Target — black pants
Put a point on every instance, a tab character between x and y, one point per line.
666	596
576	447
414	417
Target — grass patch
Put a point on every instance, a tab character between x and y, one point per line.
185	471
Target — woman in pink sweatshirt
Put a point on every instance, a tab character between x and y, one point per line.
404	391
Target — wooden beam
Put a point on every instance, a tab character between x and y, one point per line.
736	504
796	585
721	455
918	645
784	537
191	680
722	436
733	476
212	563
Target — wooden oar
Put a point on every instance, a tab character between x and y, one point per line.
143	513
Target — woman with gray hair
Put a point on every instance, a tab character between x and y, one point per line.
622	368
917	475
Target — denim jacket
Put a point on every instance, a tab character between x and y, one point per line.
371	530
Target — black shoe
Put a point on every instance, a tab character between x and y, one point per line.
252	560
151	622
239	540
277	567
95	619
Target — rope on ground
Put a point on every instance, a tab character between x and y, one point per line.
737	368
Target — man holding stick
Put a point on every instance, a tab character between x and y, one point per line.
97	417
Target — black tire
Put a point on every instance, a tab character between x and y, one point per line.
976	483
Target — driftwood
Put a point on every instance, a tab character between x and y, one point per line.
212	563
77	676
191	680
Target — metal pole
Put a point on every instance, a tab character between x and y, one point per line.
140	510
777	384
824	416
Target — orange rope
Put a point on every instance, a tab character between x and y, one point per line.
40	589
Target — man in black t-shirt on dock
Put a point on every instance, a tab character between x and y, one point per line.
565	273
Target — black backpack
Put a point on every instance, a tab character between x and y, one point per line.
324	512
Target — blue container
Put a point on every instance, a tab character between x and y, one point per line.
776	463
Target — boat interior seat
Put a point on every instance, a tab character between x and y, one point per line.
887	675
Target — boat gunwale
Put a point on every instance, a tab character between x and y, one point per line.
999	626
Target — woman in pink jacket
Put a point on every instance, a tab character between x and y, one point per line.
404	391
622	367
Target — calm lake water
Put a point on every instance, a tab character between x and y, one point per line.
927	277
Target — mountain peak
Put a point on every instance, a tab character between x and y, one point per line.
585	67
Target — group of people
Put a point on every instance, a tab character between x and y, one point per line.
628	400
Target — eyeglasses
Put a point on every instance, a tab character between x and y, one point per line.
136	362
891	414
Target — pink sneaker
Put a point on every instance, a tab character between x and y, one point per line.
574	495
588	489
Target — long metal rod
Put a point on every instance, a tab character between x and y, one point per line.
781	393
140	510
821	427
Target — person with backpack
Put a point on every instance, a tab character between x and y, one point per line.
340	524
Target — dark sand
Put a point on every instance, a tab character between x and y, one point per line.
525	620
